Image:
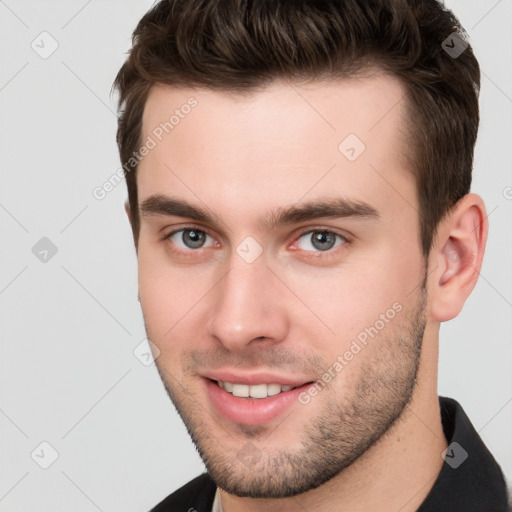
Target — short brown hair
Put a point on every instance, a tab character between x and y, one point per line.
242	45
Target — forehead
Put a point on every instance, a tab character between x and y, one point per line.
278	144
358	103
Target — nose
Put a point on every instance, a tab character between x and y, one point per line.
248	306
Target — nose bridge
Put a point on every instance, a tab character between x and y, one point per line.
247	304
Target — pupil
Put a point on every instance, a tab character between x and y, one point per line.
193	238
323	240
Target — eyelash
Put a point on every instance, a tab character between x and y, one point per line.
313	254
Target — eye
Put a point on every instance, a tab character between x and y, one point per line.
320	240
189	238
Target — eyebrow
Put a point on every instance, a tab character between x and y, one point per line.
159	204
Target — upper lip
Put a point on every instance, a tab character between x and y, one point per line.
253	379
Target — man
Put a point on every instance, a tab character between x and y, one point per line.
298	177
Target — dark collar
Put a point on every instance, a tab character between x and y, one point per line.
470	479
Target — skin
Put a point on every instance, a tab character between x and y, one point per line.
372	438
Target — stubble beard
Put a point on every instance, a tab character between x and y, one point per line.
330	441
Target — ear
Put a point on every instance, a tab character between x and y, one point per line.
130	219
127	210
456	257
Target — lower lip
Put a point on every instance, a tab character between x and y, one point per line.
251	411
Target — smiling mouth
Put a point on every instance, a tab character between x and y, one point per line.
258	403
257	391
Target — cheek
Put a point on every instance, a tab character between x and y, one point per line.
365	315
346	301
169	294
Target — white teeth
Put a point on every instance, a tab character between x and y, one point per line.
273	389
254	391
241	390
258	391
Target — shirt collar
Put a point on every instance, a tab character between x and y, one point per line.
470	478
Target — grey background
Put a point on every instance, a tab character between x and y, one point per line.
70	325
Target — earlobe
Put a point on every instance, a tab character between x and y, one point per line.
457	257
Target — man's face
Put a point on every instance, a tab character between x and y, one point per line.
265	289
